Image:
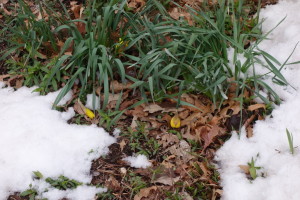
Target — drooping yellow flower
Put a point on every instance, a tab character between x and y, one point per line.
89	113
121	45
175	122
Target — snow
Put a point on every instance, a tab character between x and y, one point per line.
139	161
89	102
81	192
117	132
36	138
269	146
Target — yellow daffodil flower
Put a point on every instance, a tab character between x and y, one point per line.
175	122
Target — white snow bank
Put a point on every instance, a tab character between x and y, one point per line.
33	137
139	161
280	168
81	192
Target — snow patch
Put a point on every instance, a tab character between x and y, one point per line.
139	161
36	138
269	145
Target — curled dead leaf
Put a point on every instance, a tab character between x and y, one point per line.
256	106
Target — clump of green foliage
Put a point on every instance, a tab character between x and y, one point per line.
158	54
141	143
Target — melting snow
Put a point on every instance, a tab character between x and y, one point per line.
281	169
36	138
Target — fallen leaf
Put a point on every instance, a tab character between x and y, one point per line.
184	114
168	139
137	111
134	123
181	150
177	13
15	81
245	168
82	110
145	192
3	77
186	133
78	107
208	137
136	4
216	193
249	131
4	9
166	162
116	87
191	119
152	108
112	183
256	106
122	144
185	196
3	1
167	180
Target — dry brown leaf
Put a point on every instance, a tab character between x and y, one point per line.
232	105
13	81
145	192
205	170
245	168
153	122
127	103
167	180
137	111
216	193
249	120
166	118
208	137
112	183
186	133
184	114
166	162
152	108
249	131
185	196
116	87
3	1
181	150
5	10
78	107
122	144
177	13
134	123
136	4
201	130
168	139
191	119
77	11
256	106
3	77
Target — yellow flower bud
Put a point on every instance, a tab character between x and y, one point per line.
175	122
89	113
